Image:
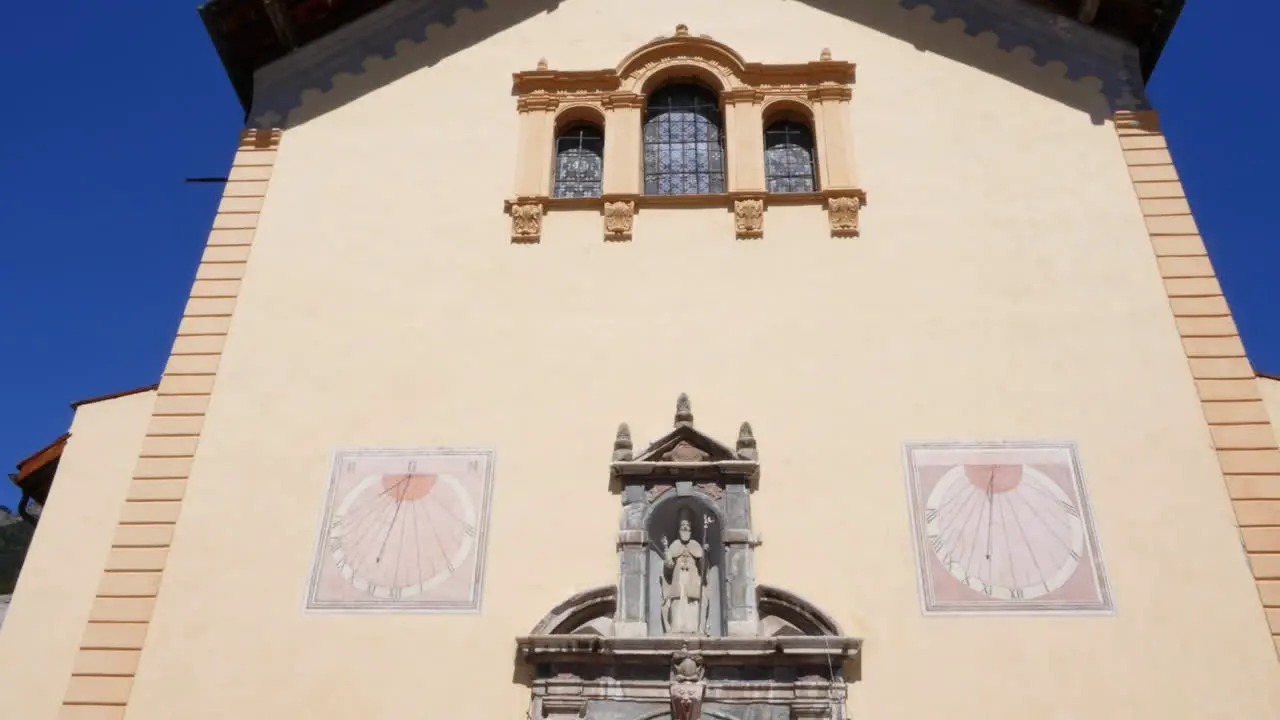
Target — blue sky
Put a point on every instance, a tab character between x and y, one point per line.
111	105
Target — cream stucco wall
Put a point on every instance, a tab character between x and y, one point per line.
42	631
1003	287
1269	388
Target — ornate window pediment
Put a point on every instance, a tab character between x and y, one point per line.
686	632
647	163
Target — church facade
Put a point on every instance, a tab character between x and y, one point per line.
592	360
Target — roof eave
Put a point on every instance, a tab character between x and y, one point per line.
240	77
32	464
1150	54
112	396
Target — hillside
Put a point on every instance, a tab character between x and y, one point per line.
15	538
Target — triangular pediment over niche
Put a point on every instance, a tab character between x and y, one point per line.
685	450
686	444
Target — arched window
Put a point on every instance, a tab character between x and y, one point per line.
788	158
579	162
683	142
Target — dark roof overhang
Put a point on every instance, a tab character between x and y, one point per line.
250	34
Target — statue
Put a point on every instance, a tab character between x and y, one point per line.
682	581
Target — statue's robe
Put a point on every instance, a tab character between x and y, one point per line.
682	594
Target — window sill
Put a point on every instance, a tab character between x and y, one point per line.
842	204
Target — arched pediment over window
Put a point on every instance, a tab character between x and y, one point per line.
713	62
582	614
642	167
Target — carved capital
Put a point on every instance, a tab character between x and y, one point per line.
537	101
741	95
633	538
748	217
526	221
619	216
739	536
842	213
824	93
622	100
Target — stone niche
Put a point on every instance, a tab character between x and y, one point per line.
687	632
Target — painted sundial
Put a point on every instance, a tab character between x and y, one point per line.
1004	527
403	530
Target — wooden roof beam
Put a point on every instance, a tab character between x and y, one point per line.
1088	11
281	23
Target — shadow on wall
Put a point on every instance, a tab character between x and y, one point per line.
1030	50
394	42
447	34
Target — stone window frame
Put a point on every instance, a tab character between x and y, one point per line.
751	94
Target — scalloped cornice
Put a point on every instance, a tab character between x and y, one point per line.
278	87
1084	51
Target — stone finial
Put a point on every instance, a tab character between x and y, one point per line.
682	30
826	54
684	412
746	442
622	444
542	63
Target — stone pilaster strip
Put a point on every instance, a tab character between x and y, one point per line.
1238	423
102	676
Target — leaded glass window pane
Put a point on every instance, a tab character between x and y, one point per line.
788	158
683	142
579	162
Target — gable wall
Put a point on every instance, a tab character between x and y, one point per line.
1269	388
1003	288
54	598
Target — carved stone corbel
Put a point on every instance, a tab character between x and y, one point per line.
842	213
688	685
748	217
526	221
619	217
